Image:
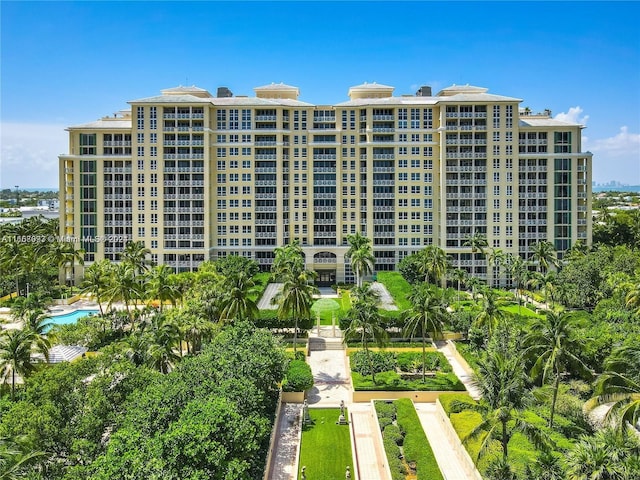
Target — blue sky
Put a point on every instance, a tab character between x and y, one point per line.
64	63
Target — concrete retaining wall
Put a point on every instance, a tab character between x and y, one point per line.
460	450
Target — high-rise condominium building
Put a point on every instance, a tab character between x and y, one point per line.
196	177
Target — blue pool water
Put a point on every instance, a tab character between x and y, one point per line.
72	317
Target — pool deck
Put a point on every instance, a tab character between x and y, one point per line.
9	323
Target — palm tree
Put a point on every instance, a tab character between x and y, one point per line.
633	298
460	276
434	263
289	260
135	254
491	314
543	254
427	314
236	300
609	454
124	287
164	338
554	346
65	255
478	242
15	355
502	382
296	299
496	258
360	256
96	281
161	286
516	269
16	458
620	385
364	323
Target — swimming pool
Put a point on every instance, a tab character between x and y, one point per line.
72	317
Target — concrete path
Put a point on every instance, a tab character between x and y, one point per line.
444	451
464	373
271	291
331	377
386	300
284	465
371	459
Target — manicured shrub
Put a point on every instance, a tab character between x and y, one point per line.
392	432
381	361
299	377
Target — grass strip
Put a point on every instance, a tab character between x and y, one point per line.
325	450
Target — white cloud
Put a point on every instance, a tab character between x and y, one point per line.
620	145
573	116
616	158
29	154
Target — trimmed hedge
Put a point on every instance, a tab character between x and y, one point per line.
299	377
408	434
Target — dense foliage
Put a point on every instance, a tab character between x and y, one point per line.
105	418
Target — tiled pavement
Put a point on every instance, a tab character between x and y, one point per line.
285	456
371	457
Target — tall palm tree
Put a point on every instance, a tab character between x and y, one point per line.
16	458
620	385
164	338
502	382
289	260
236	299
543	254
609	454
460	276
496	258
516	269
15	355
434	263
633	298
161	286
295	299
478	242
135	254
553	344
360	255
426	315
491	313
124	287
364	323
96	281
65	255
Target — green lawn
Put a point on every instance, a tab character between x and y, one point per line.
326	446
326	308
398	287
524	311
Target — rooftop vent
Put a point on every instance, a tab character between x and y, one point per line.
224	92
424	91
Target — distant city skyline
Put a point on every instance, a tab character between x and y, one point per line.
61	66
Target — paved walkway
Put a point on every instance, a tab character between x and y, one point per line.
371	459
284	465
386	300
331	375
444	451
464	372
269	292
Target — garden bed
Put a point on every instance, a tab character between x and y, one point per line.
407	448
402	371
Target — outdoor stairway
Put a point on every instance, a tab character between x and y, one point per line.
317	344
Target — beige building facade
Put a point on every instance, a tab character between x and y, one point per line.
197	176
